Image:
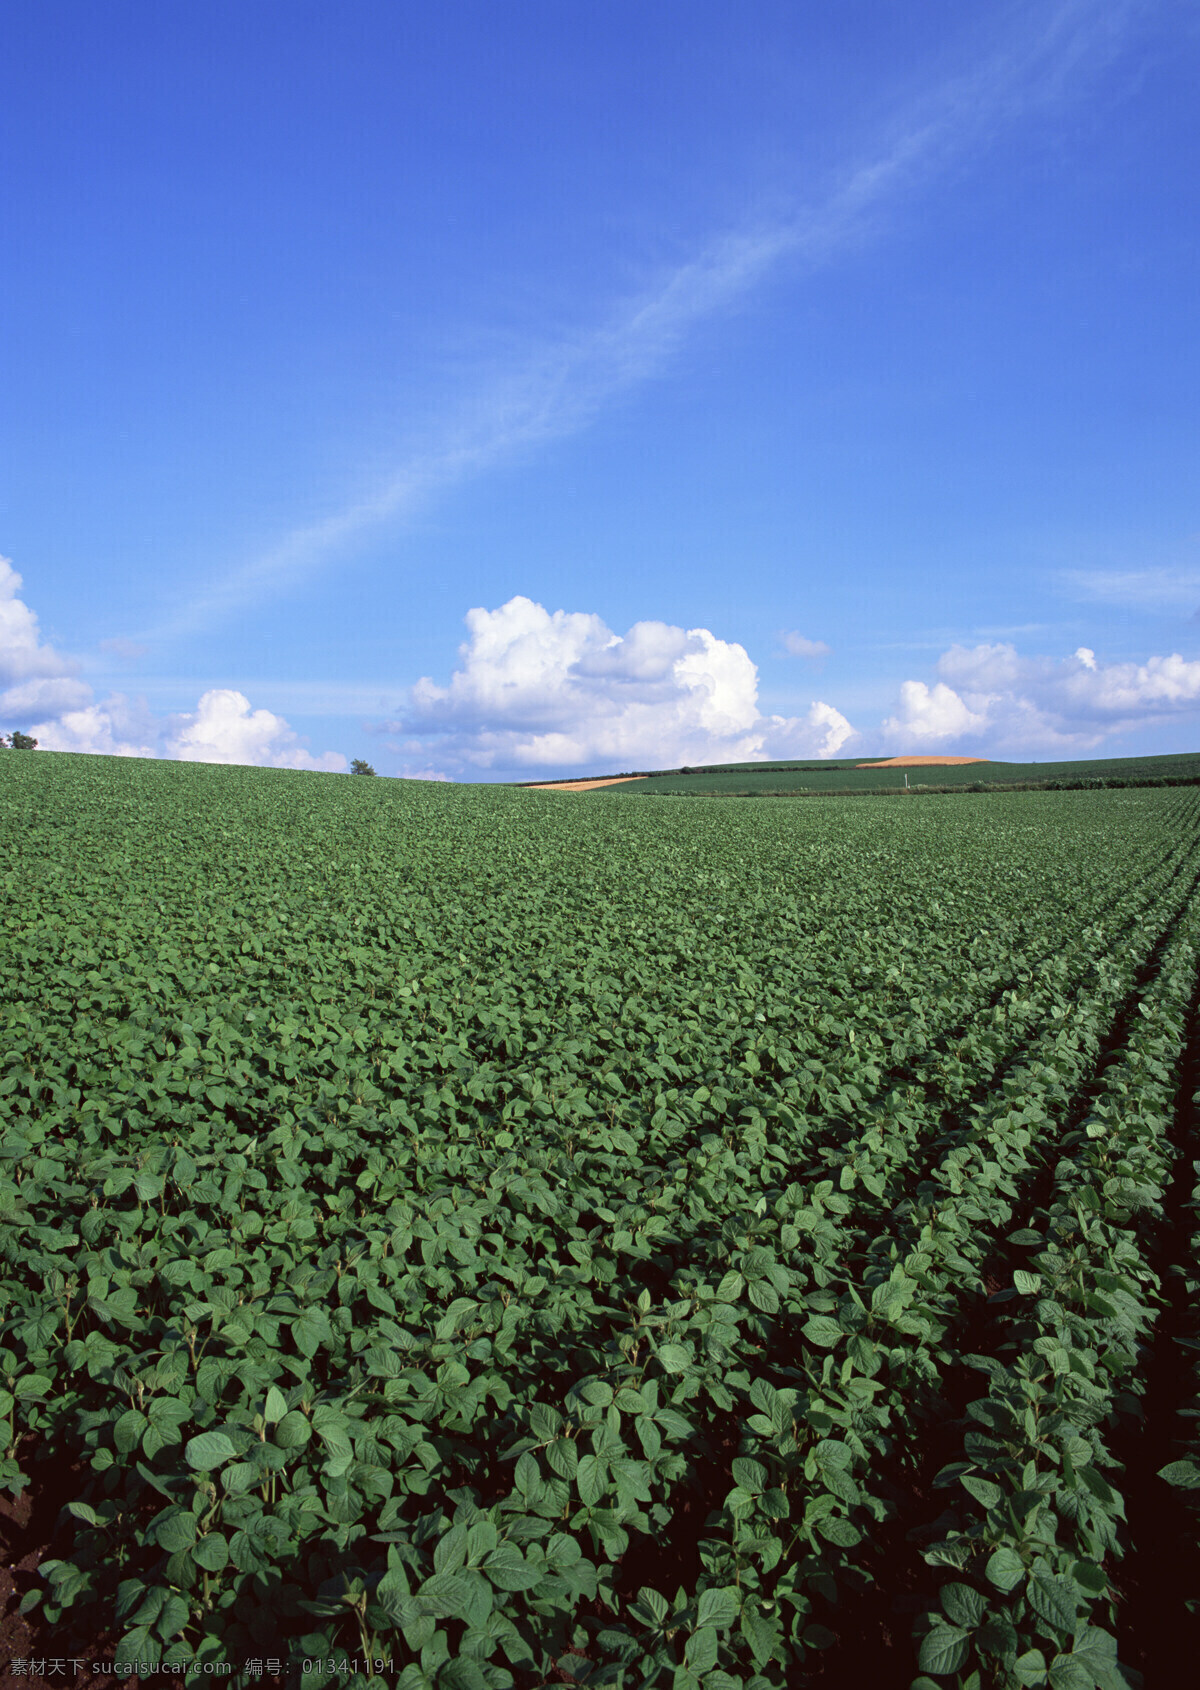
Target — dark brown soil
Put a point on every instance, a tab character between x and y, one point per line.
27	1524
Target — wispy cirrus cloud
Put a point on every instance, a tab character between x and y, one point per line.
1155	589
799	645
127	651
558	387
555	392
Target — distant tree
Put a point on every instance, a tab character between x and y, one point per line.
18	741
359	767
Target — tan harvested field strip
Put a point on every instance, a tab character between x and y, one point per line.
581	785
920	762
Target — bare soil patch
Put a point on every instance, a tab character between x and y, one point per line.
580	785
27	1527
920	762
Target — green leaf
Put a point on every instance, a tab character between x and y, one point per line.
840	1483
1098	1485
545	1422
655	1606
649	1436
962	1605
674	1358
450	1551
310	1331
293	1431
479	1602
127	1433
33	1387
172	1618
1066	1673
211	1552
718	1606
764	1296
239	1476
482	1540
983	1490
562	1552
943	1650
1005	1568
700	1652
837	1529
760	1634
1095	1649
750	1475
1030	1668
175	1530
445	1595
562	1456
1028	1284
822	1331
1052	1598
1091	1577
508	1569
209	1450
462	1673
1186	1474
590	1480
139	1644
998	1636
276	1406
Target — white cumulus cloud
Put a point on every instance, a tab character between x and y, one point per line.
821	732
115	728
559	689
224	729
993	700
33	676
929	715
43	695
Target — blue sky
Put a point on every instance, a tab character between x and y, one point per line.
497	390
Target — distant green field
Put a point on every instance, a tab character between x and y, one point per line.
845	775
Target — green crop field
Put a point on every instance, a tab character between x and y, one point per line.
461	1237
846	775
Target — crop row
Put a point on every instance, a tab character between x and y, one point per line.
1034	1520
1183	1471
897	1326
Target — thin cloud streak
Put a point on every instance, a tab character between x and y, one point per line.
561	387
297	698
1136	589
